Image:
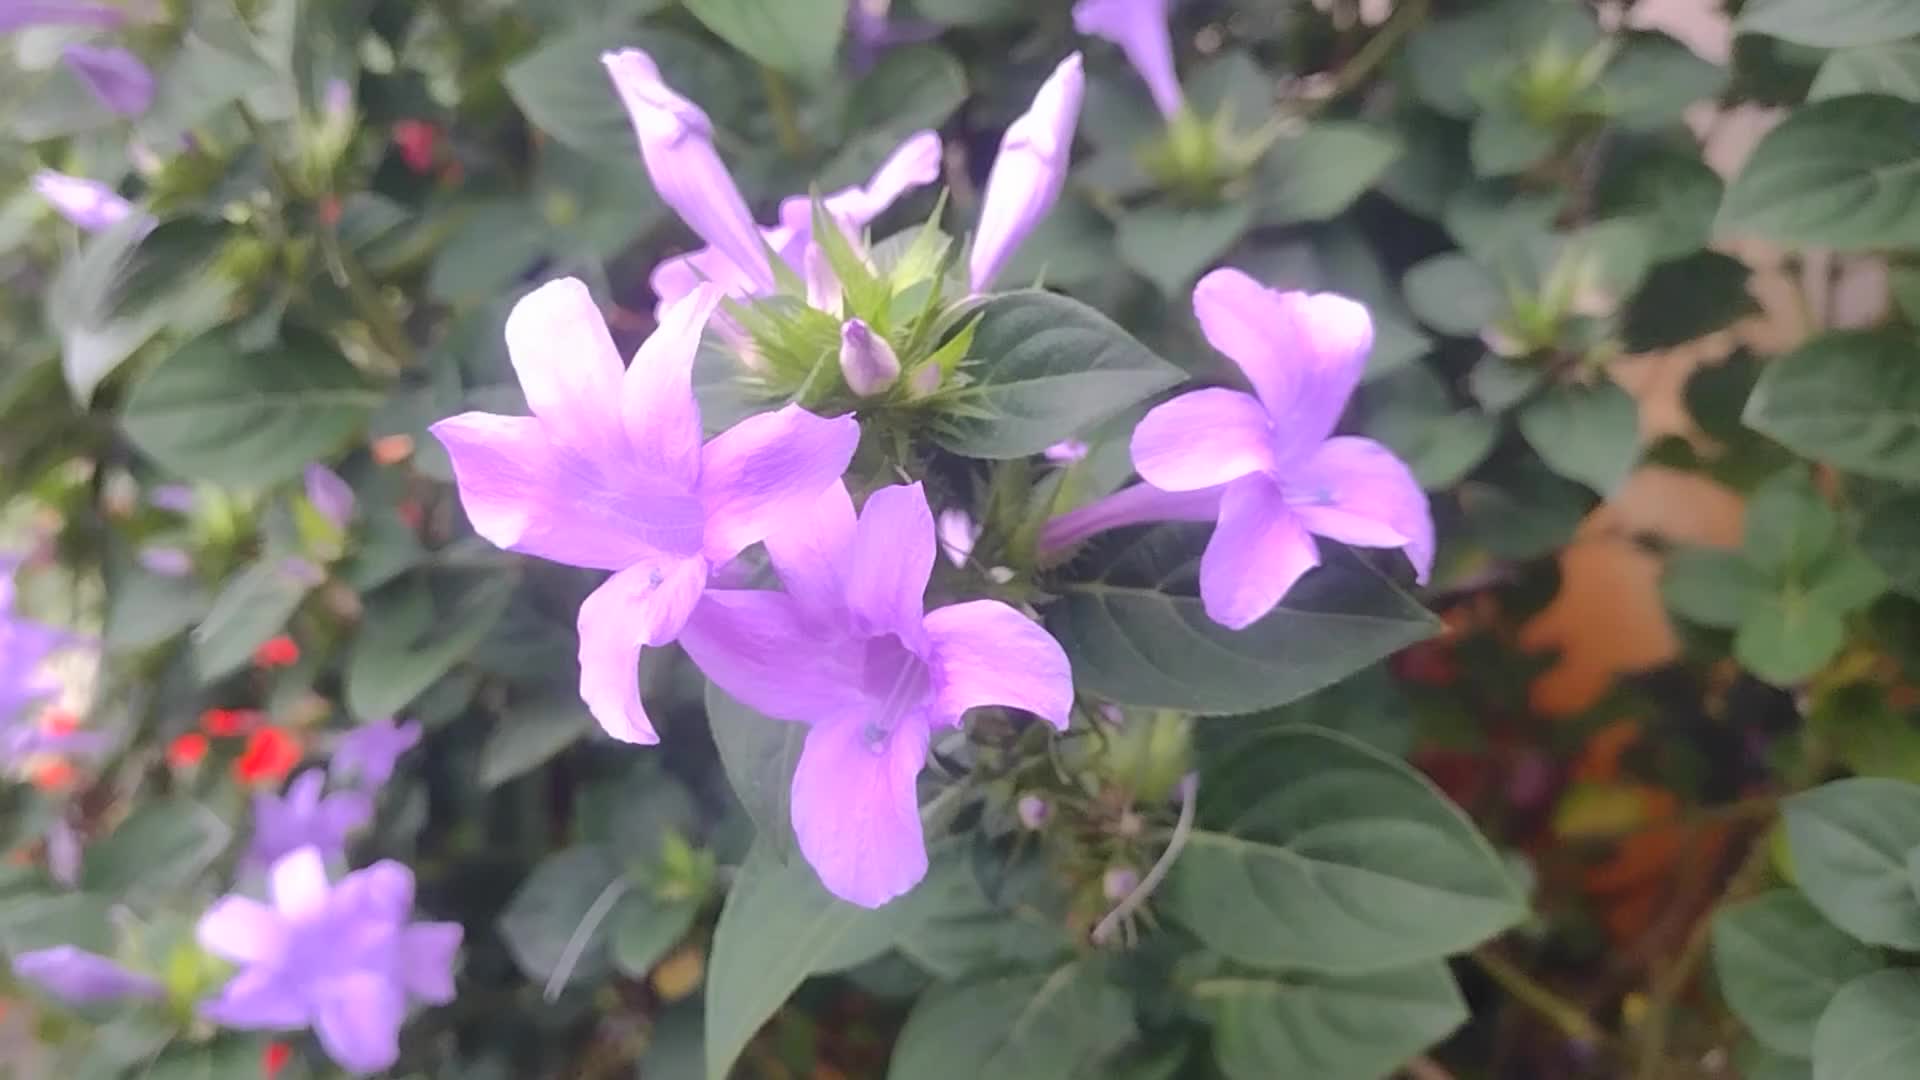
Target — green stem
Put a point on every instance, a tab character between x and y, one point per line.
786	120
387	330
1570	1019
1406	17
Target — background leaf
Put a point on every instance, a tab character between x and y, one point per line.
1779	965
1327	1027
1842	174
1850	840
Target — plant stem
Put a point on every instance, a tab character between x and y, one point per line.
1571	1020
786	121
1407	16
385	326
1108	926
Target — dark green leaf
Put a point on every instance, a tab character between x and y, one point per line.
1134	642
565	91
1712	587
1453	294
1788	525
410	638
1653	79
645	928
559	915
162	848
1411	413
1780	963
1868	1032
255	604
1890	536
1850	399
1318	173
1171	244
759	754
1030	1026
528	735
1327	1027
909	90
1585	433
799	37
1506	140
1685	299
1830	24
1891	68
1044	367
1850	840
1841	174
1317	851
1788	638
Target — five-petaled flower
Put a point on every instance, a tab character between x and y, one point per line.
368	753
881	675
610	473
342	959
305	818
270	754
1266	466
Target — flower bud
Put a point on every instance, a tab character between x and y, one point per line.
1033	811
957	534
1118	882
88	204
676	144
1065	452
115	77
1028	173
329	495
165	561
1139	27
866	359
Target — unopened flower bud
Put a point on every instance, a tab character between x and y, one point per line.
115	77
1033	811
957	534
1028	173
1119	881
1139	27
866	359
329	494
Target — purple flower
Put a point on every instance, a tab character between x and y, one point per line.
867	362
177	498
19	14
79	977
341	959
1266	465
369	752
1028	173
880	675
1139	27
1118	881
329	494
1033	812
63	853
115	76
25	647
305	818
1065	452
88	204
676	143
610	473
958	534
166	561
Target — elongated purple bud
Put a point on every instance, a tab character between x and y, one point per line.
19	14
116	77
79	977
166	561
1029	172
676	143
89	204
329	494
867	361
1139	27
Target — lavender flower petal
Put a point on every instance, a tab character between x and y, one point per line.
118	78
79	977
1028	173
88	204
1139	27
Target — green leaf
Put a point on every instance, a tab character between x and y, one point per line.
213	412
1788	525
1685	299
1170	244
1027	1026
1779	964
1328	1027
1891	68
1135	643
1841	174
1890	536
530	734
799	37
162	848
1043	368
1317	851
909	90
1669	192
1453	294
778	927
759	754
1411	412
1712	587
410	638
566	92
255	604
645	929
1868	1032
1504	140
1653	79
1850	840
1830	24
559	915
146	609
1318	173
1850	399
1520	509
1585	433
1787	639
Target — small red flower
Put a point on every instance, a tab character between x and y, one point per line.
187	750
227	723
58	721
416	140
52	775
270	755
277	652
329	210
274	1058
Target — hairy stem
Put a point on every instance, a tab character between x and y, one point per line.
1110	925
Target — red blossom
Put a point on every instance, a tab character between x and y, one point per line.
227	723
416	140
187	750
52	775
58	721
274	1058
270	755
277	652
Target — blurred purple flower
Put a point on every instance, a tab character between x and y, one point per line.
19	14
165	561
177	498
676	143
78	977
25	647
341	959
1139	27
610	473
1066	452
329	494
88	204
115	76
957	534
63	853
1266	466
867	362
881	674
1028	173
1033	812
369	752
305	818
1118	881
